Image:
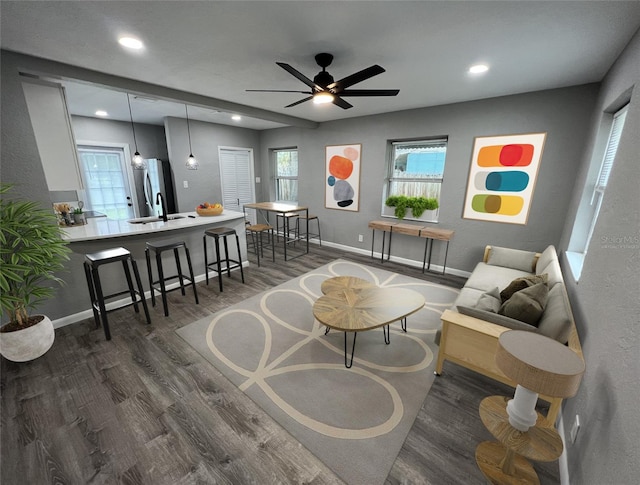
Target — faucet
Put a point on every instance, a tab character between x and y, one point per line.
160	201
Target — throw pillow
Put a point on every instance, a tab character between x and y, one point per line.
521	283
526	305
490	301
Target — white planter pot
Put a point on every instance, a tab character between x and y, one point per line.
29	343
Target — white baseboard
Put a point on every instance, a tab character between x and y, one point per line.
408	262
83	315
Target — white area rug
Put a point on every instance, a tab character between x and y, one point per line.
354	420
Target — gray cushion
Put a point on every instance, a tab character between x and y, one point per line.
545	258
556	321
486	277
526	305
496	318
490	301
512	258
521	283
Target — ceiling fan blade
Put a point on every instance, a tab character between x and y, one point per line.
370	92
356	78
294	72
275	91
299	102
338	101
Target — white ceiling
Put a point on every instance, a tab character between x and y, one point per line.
220	49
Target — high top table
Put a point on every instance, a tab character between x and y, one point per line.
281	209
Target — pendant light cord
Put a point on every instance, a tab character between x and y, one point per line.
133	128
188	130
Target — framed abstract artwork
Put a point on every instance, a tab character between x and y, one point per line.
342	182
502	177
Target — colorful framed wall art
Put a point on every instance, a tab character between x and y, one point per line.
502	177
342	182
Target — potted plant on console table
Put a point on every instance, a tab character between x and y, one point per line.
418	205
32	250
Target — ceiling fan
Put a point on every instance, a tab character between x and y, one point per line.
325	90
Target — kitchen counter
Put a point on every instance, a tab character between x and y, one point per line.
104	228
72	302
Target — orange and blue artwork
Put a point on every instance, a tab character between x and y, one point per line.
502	177
342	184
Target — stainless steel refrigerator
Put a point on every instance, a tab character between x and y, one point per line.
157	177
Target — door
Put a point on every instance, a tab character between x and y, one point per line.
236	175
106	181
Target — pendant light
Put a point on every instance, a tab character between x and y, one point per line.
192	163
137	162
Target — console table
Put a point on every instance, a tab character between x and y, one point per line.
427	232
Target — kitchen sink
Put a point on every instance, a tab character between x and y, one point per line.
144	220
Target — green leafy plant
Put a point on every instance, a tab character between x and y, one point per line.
77	210
418	205
32	250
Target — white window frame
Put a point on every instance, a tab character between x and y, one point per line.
579	244
429	215
278	178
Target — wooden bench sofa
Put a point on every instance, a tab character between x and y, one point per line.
469	336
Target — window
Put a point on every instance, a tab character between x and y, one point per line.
589	209
416	169
286	162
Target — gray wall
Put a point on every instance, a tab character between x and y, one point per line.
204	183
151	138
564	114
606	301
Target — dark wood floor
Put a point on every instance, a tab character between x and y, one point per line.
145	408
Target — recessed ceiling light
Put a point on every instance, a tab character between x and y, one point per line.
478	68
236	117
131	43
101	113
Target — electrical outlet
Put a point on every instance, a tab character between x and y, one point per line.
360	238
575	428
185	184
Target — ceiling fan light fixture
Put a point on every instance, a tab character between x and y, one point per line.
323	98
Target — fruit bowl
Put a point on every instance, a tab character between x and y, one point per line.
209	211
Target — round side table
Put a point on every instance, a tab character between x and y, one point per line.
539	365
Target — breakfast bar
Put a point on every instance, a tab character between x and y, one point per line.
72	299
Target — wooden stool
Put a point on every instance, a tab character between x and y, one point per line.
305	218
91	264
256	231
158	247
216	233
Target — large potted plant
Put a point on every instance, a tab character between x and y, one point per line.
32	251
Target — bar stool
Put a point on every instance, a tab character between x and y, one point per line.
286	224
256	231
216	233
158	247
91	264
303	218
